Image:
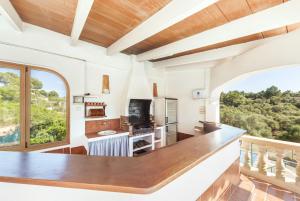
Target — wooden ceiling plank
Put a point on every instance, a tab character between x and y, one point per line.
82	12
206	19
229	9
259	5
234	9
56	15
210	55
275	32
293	27
237	41
272	18
172	13
10	14
118	18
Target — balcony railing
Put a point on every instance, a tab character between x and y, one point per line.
274	161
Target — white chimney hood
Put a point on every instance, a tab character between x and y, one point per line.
138	84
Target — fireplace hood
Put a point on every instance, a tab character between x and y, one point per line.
138	84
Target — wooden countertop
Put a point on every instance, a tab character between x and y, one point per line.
114	173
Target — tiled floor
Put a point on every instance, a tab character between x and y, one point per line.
267	192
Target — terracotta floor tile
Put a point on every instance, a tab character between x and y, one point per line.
243	191
277	194
263	191
260	190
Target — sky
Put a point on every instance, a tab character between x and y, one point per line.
283	78
50	81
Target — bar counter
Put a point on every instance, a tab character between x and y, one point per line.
138	175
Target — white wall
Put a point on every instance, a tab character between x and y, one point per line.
64	66
82	66
180	84
156	75
46	40
118	79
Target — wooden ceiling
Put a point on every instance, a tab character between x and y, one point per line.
215	15
56	15
109	20
266	34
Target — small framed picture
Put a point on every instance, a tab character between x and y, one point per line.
78	99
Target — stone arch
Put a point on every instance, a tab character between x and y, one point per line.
281	52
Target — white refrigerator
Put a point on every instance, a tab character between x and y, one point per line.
165	114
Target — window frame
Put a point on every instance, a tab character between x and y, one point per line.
25	106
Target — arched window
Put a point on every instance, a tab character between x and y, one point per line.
34	108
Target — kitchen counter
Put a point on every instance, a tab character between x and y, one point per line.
141	175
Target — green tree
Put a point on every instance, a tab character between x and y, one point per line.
48	115
53	94
36	84
272	91
270	113
234	98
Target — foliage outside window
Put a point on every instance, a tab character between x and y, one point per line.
45	106
270	113
10	107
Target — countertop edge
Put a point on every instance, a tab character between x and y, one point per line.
146	189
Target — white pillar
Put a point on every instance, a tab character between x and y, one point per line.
213	110
263	160
246	149
280	171
298	168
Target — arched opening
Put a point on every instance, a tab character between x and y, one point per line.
34	108
265	103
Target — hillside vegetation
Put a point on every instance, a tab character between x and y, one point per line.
48	115
270	113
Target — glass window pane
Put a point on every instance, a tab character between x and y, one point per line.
9	106
48	108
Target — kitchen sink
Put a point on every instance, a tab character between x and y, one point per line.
107	132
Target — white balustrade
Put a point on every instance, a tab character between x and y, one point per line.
282	155
280	169
246	148
262	161
298	168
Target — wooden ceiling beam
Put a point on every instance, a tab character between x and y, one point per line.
169	15
82	11
193	66
10	14
275	17
211	55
